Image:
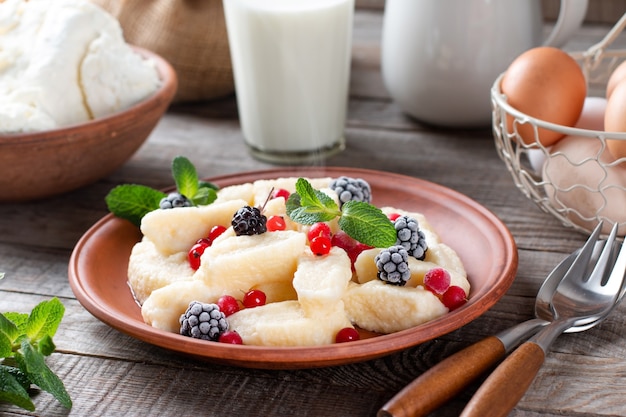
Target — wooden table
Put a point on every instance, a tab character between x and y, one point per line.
110	374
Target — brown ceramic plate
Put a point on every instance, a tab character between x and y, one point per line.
97	273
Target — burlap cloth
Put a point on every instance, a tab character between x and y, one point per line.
189	34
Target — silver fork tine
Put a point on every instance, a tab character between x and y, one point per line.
600	268
618	274
581	262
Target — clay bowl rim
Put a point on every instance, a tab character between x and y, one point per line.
166	91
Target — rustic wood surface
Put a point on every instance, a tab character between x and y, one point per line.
110	374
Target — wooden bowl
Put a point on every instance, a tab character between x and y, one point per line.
42	164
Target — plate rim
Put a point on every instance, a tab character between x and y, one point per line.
302	356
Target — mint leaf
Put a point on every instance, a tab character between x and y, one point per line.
8	329
44	319
6	345
12	390
46	346
208	184
19	376
309	196
32	363
132	202
185	176
18	319
308	205
25	339
205	195
367	224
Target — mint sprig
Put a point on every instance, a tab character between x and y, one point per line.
25	341
133	201
361	221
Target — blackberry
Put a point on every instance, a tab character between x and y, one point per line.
348	189
393	265
249	221
174	200
203	321
411	237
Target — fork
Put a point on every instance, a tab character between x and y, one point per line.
578	299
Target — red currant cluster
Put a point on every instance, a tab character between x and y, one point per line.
230	305
198	248
437	281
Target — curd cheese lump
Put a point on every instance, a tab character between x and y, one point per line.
65	62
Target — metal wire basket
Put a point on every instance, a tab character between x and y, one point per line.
578	202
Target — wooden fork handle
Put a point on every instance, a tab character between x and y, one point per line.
445	380
506	385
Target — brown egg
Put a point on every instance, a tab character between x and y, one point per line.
548	84
615	119
578	176
618	74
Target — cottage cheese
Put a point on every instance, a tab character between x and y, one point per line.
64	62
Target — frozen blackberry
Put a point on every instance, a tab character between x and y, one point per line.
203	321
348	189
393	265
174	200
410	237
249	221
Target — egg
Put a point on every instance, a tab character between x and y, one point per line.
615	119
592	115
618	74
548	84
578	176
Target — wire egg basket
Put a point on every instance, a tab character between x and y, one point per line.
579	190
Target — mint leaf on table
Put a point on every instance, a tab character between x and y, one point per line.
361	221
12	390
25	340
132	201
9	330
44	319
32	363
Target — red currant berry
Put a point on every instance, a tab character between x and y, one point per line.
319	229
204	241
275	223
231	337
347	334
194	255
281	192
215	232
320	245
393	216
352	247
228	305
437	280
454	297
254	298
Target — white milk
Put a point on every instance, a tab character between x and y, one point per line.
291	62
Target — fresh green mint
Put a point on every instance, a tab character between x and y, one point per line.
133	201
361	221
25	341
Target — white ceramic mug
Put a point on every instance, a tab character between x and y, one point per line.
291	62
440	57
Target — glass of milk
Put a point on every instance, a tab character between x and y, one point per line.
291	63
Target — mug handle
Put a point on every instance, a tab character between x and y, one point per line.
571	15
